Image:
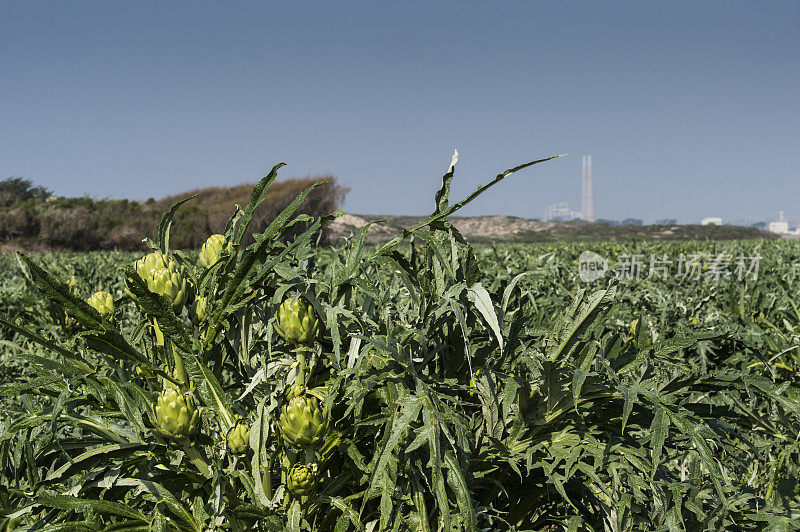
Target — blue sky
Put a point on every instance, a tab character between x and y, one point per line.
689	109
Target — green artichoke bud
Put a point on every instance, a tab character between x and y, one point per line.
145	266
303	422
302	479
297	322
296	390
211	250
199	310
239	438
102	302
177	414
169	282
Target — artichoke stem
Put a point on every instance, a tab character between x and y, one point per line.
266	480
301	367
245	325
310	456
195	458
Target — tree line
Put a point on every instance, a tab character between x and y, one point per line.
32	218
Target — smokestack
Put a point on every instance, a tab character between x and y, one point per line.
583	187
587	189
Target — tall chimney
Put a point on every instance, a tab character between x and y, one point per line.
587	189
583	186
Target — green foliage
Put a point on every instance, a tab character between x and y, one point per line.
15	190
30	220
448	387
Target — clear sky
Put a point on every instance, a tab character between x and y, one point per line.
688	108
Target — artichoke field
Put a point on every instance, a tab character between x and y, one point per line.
420	385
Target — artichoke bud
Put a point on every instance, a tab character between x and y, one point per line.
199	310
212	249
297	389
170	283
297	321
102	302
239	438
177	414
303	422
302	479
145	266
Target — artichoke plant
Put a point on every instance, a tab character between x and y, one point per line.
302	479
303	422
211	250
297	322
198	312
102	302
238	438
170	283
177	414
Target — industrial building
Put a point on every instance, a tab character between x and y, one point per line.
780	226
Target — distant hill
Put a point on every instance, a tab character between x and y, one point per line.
512	229
39	222
85	224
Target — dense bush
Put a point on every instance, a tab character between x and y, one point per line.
84	224
14	190
208	213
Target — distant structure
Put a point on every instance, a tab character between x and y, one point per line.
587	189
781	226
559	212
711	220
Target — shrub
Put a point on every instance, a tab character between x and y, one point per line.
83	224
14	190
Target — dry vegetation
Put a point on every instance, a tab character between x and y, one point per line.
83	224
